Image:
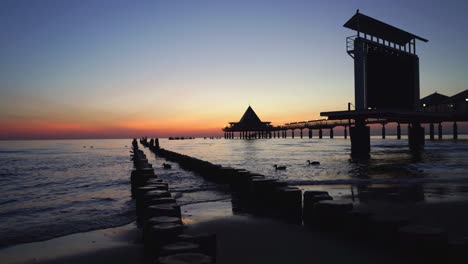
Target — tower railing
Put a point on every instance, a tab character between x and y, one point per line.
350	45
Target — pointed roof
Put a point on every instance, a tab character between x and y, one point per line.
459	97
433	99
249	120
250	117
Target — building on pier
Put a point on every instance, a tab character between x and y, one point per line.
249	126
433	103
457	104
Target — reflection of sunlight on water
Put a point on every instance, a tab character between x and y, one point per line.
389	158
391	173
56	187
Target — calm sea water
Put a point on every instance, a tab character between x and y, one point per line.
58	187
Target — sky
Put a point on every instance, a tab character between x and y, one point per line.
119	69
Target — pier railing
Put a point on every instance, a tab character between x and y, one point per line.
325	123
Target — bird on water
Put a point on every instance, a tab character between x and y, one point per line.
279	167
167	166
313	162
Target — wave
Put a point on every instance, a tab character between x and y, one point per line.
206	201
192	190
376	181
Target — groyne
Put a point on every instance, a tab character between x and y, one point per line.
159	217
261	195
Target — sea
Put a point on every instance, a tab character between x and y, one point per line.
52	188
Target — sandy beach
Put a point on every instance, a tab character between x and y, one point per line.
240	239
119	244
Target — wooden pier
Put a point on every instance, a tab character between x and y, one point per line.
386	73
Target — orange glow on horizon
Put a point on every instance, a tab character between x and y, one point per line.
195	125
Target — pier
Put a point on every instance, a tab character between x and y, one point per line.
386	74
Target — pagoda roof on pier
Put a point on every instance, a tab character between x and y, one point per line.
249	121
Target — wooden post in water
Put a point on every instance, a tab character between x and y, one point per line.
320	133
345	132
301	132
383	130
292	133
455	130
416	136
310	133
331	132
398	131
431	131
440	131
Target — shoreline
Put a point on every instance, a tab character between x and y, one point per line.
87	246
238	235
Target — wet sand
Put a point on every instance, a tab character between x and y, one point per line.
240	238
119	245
243	239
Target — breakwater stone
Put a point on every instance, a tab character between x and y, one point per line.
178	248
310	198
331	214
186	258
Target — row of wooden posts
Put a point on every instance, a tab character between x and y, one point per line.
159	217
317	209
283	133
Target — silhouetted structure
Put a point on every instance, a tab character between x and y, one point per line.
457	104
386	67
386	76
386	70
433	102
249	127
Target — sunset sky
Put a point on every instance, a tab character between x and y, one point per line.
117	69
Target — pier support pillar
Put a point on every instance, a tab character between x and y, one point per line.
320	133
360	139
416	136
431	131
345	132
310	133
398	131
383	131
156	143
331	132
301	132
440	131
292	133
455	130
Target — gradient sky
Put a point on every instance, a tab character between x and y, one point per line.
97	69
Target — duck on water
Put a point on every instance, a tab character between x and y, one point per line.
313	162
279	167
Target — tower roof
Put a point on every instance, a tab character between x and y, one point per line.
376	28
